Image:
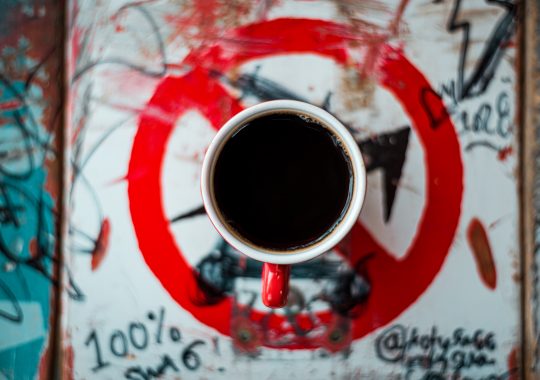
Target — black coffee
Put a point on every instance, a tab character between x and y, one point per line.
283	181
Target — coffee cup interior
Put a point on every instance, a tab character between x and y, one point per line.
283	181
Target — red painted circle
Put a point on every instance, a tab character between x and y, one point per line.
396	284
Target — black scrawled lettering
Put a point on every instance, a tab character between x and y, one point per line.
190	358
481	120
413	339
425	342
457	336
433	355
118	344
138	335
390	345
490	341
150	373
100	362
504	127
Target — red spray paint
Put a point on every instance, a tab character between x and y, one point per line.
396	284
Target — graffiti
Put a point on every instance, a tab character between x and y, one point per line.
140	336
482	117
434	355
483	72
136	163
436	117
188	357
30	115
489	125
27	237
166	363
26	213
491	121
384	151
216	60
488	122
387	152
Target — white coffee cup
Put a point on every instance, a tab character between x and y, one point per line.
276	266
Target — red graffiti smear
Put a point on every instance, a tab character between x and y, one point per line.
396	284
483	255
33	248
68	363
10	105
504	153
102	244
513	364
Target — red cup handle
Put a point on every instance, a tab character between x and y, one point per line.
275	284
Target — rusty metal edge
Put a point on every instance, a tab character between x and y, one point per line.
57	365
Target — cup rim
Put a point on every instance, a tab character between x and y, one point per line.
303	253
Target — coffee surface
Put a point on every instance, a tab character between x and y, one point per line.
282	181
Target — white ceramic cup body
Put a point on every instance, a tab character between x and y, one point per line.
304	253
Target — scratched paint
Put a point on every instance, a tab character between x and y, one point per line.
428	91
29	182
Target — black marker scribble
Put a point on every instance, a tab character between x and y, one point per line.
482	143
484	70
25	210
432	354
16	315
122	61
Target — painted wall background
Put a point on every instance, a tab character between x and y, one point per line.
31	63
426	286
